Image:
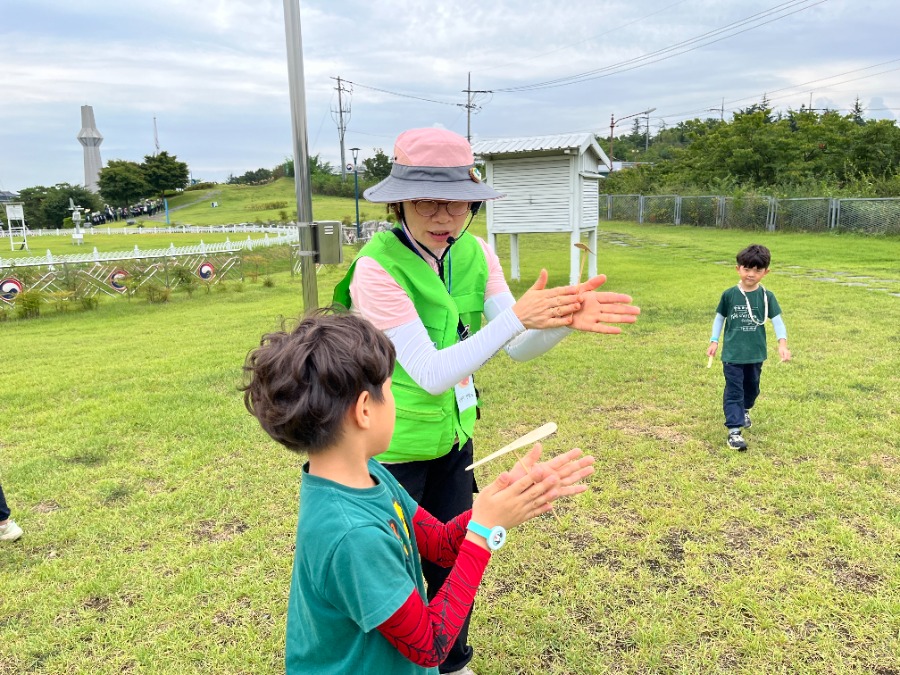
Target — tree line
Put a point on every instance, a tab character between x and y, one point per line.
121	183
802	153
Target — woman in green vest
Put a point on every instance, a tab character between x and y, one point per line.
427	284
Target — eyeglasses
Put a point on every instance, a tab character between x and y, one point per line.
428	207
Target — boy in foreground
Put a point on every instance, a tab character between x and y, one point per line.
743	310
357	595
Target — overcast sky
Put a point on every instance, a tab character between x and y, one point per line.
214	73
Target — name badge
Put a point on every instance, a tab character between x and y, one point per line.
465	393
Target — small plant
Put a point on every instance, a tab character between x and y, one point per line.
89	302
268	282
28	304
157	293
185	278
62	300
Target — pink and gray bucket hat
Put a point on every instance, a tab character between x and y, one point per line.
432	164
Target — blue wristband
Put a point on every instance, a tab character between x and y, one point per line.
494	536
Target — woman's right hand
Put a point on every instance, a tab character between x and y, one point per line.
542	307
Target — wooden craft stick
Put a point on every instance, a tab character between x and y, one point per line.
586	249
521	442
709	363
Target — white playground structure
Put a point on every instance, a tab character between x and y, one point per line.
18	233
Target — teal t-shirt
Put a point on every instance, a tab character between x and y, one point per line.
744	340
355	564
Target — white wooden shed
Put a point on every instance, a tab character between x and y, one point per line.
551	185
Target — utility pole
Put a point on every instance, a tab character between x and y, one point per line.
470	105
647	134
309	244
341	122
155	136
721	110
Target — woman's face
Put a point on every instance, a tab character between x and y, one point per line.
434	230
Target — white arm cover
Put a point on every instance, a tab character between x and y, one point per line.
435	370
718	322
780	328
531	343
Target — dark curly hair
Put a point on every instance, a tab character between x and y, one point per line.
755	255
300	384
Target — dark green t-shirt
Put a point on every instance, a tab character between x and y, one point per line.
356	562
745	340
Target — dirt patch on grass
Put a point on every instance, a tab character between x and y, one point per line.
850	577
48	506
212	531
887	463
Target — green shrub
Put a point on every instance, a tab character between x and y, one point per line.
157	293
28	304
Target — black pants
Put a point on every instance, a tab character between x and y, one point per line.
4	509
444	488
741	391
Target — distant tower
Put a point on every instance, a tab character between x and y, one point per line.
91	139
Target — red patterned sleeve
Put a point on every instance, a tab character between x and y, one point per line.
439	542
424	634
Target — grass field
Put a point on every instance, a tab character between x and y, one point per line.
159	520
246	203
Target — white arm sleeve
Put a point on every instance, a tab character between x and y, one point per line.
780	328
435	370
718	322
531	343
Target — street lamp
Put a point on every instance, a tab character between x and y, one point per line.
355	152
612	128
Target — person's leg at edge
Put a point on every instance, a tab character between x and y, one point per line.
4	508
445	489
752	376
733	396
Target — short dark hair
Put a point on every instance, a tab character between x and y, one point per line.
755	255
300	384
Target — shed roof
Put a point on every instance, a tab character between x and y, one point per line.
504	146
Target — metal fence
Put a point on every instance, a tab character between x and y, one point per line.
817	214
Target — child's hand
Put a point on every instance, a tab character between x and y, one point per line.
712	349
510	504
571	467
784	353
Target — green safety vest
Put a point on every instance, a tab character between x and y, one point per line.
426	425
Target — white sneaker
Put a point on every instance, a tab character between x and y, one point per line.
10	531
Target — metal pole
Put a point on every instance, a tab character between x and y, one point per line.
355	152
308	240
612	129
647	135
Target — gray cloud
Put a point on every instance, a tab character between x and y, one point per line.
214	73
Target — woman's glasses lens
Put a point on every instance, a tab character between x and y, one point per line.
428	207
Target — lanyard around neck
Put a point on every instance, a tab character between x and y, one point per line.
750	309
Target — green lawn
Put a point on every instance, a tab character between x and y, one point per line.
159	520
249	204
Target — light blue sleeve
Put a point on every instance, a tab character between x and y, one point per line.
718	322
780	328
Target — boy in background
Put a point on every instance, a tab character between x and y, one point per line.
357	599
743	310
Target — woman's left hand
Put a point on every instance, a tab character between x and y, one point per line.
599	309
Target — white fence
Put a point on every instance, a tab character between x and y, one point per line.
169	229
287	236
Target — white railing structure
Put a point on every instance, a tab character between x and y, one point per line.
167	229
288	236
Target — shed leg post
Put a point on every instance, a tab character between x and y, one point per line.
514	271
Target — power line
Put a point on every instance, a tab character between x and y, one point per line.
413	96
665	53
